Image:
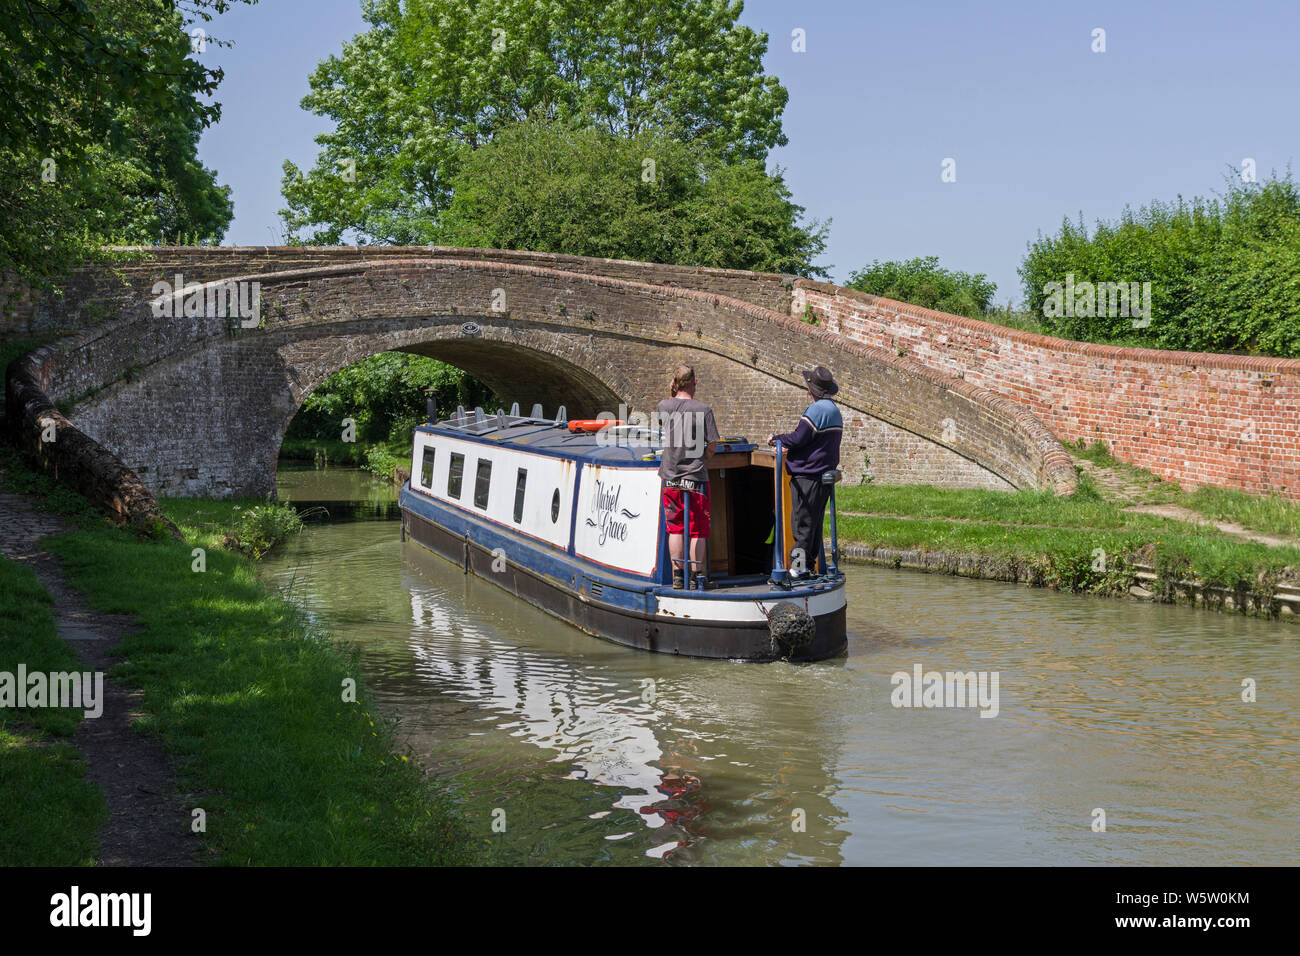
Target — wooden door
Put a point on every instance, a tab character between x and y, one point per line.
766	458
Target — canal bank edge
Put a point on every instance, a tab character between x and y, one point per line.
1147	584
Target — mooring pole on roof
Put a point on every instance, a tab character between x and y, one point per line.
561	415
514	410
537	411
779	573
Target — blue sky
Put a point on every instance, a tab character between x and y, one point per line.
1040	127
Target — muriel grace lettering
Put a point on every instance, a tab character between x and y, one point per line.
605	513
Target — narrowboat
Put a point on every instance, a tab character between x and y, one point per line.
567	516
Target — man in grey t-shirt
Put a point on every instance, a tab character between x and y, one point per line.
690	437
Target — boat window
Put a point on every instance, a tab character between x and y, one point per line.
426	467
555	506
455	470
521	479
482	481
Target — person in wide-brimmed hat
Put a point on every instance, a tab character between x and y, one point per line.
813	449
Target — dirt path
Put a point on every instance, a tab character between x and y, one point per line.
1179	513
148	824
1132	491
1124	488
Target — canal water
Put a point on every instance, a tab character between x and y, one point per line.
1109	711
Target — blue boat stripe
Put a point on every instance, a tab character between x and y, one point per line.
620	591
573	509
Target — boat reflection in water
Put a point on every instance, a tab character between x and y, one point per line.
608	746
652	737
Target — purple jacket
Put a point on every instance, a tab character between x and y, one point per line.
814	445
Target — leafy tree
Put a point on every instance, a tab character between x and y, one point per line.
432	80
922	281
385	395
100	114
589	192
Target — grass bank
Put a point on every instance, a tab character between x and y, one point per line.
1091	542
380	458
1127	485
255	706
50	813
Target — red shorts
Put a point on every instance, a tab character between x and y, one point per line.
675	512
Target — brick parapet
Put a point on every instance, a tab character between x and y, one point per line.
1191	417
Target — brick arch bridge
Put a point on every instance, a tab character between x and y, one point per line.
199	406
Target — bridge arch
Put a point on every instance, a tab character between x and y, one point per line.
565	373
199	405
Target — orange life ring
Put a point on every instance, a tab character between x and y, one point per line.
592	424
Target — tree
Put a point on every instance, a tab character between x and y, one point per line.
100	114
647	197
433	80
385	395
922	281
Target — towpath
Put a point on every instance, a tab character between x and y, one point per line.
147	825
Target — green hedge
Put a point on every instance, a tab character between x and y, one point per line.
1224	273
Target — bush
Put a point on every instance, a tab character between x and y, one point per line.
381	461
1223	273
924	282
259	529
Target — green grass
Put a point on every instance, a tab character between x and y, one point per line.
248	698
1083	510
244	695
1267	514
206	519
1098	453
257	530
27	626
1055	541
1273	515
50	813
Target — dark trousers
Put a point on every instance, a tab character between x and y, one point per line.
808	497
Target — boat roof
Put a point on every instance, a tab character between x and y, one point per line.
552	437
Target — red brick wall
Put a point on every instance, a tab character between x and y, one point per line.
1190	417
